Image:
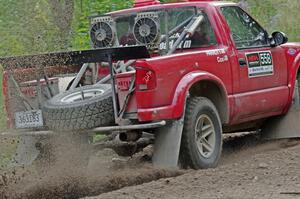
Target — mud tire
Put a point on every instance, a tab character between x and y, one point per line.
79	115
190	155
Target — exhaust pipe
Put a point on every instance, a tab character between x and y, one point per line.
130	136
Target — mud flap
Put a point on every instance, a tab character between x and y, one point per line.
167	144
287	126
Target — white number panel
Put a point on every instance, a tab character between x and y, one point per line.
260	64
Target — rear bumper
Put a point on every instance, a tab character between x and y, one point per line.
129	127
99	130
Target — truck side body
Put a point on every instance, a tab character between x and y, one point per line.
215	72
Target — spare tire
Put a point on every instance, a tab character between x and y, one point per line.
83	108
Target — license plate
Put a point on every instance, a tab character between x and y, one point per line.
29	119
123	80
124	83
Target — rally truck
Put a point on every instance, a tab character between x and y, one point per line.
185	72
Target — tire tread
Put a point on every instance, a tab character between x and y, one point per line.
187	158
87	115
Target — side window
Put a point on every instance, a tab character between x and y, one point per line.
204	35
245	31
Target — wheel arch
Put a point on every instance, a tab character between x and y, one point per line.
294	73
202	84
212	91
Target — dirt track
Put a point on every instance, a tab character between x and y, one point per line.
255	170
250	168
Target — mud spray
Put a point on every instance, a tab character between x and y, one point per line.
70	169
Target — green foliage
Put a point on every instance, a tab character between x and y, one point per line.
276	15
86	8
28	26
92	8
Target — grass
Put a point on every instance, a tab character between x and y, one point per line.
7	149
98	138
276	15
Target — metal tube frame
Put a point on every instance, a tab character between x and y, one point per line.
113	86
184	34
21	95
99	130
79	76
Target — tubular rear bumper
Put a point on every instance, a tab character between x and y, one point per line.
129	127
103	130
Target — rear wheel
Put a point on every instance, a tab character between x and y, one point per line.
201	142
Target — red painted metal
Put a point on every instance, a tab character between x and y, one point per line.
246	98
293	64
195	0
142	3
5	90
123	81
176	108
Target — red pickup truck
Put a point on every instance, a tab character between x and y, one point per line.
213	69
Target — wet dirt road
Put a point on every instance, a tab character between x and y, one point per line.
247	170
250	168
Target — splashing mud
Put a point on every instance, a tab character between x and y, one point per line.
66	172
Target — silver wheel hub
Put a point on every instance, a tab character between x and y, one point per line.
82	95
205	136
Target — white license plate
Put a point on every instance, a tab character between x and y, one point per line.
29	119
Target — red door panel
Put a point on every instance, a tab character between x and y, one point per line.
253	80
262	89
259	71
257	104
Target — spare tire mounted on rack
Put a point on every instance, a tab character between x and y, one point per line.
85	107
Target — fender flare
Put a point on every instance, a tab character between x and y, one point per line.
291	80
187	82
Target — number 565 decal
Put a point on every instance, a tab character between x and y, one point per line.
260	64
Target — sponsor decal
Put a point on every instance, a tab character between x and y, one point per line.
260	64
222	59
186	45
147	77
215	52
